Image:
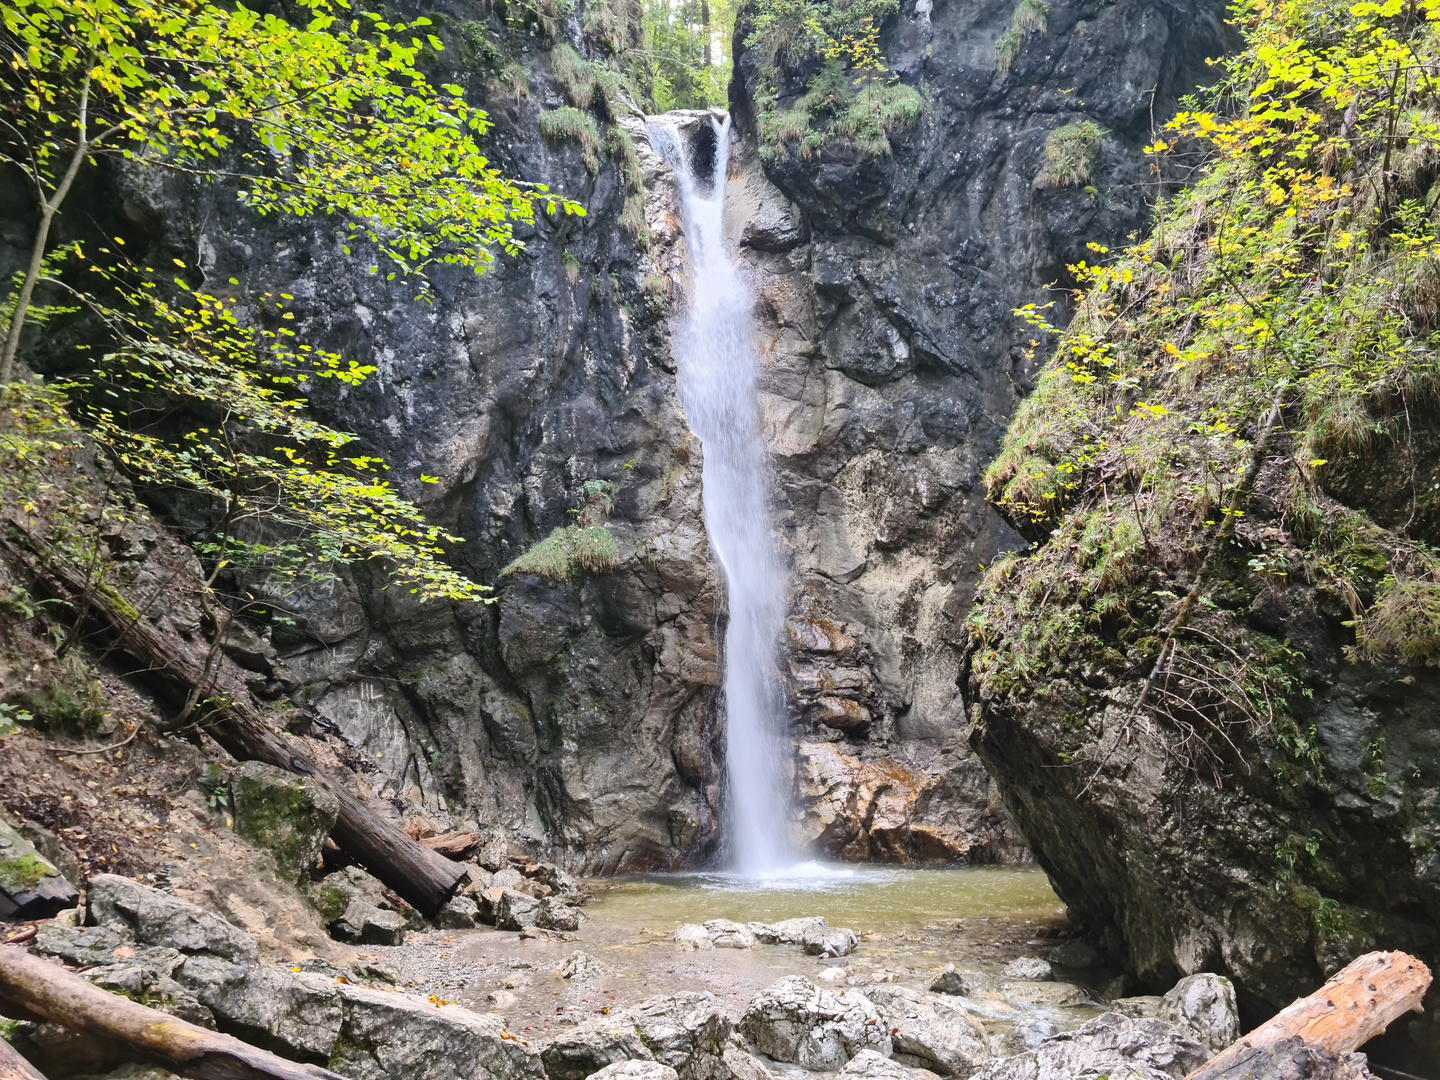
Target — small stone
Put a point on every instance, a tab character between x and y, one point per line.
725	934
580	967
556	915
515	910
382	928
1074	954
1029	969
955	983
636	1070
693	936
502	1000
459	913
833	975
1204	1006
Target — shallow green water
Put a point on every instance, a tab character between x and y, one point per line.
883	900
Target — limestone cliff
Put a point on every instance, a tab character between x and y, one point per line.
583	715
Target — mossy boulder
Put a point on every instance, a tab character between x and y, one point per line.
287	814
30	886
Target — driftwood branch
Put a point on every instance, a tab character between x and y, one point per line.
15	1067
1358	1003
47	990
424	878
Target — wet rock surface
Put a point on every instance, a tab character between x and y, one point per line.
796	1021
1110	1045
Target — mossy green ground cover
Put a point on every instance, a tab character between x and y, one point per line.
1231	395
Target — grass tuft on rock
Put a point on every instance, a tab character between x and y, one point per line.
569	124
1029	17
1071	153
568	550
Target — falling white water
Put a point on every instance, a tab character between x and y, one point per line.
716	356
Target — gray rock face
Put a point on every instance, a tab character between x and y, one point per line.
287	814
152	917
797	1022
688	1032
581	716
929	1032
1110	1045
1204	1007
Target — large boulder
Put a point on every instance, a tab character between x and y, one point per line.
587	1048
111	960
266	1005
555	914
797	1022
392	1036
30	885
1111	1045
356	909
156	918
1203	1006
929	1032
688	1032
288	814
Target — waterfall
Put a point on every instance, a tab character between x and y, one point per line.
716	358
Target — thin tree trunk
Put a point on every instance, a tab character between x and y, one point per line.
705	29
48	991
48	209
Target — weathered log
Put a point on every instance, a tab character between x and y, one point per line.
1358	1003
15	1067
422	877
453	845
40	988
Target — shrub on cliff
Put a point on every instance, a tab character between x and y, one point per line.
1227	472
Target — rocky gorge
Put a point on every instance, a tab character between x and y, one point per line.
1171	644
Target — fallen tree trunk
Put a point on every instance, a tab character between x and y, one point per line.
424	878
39	988
15	1067
1358	1003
